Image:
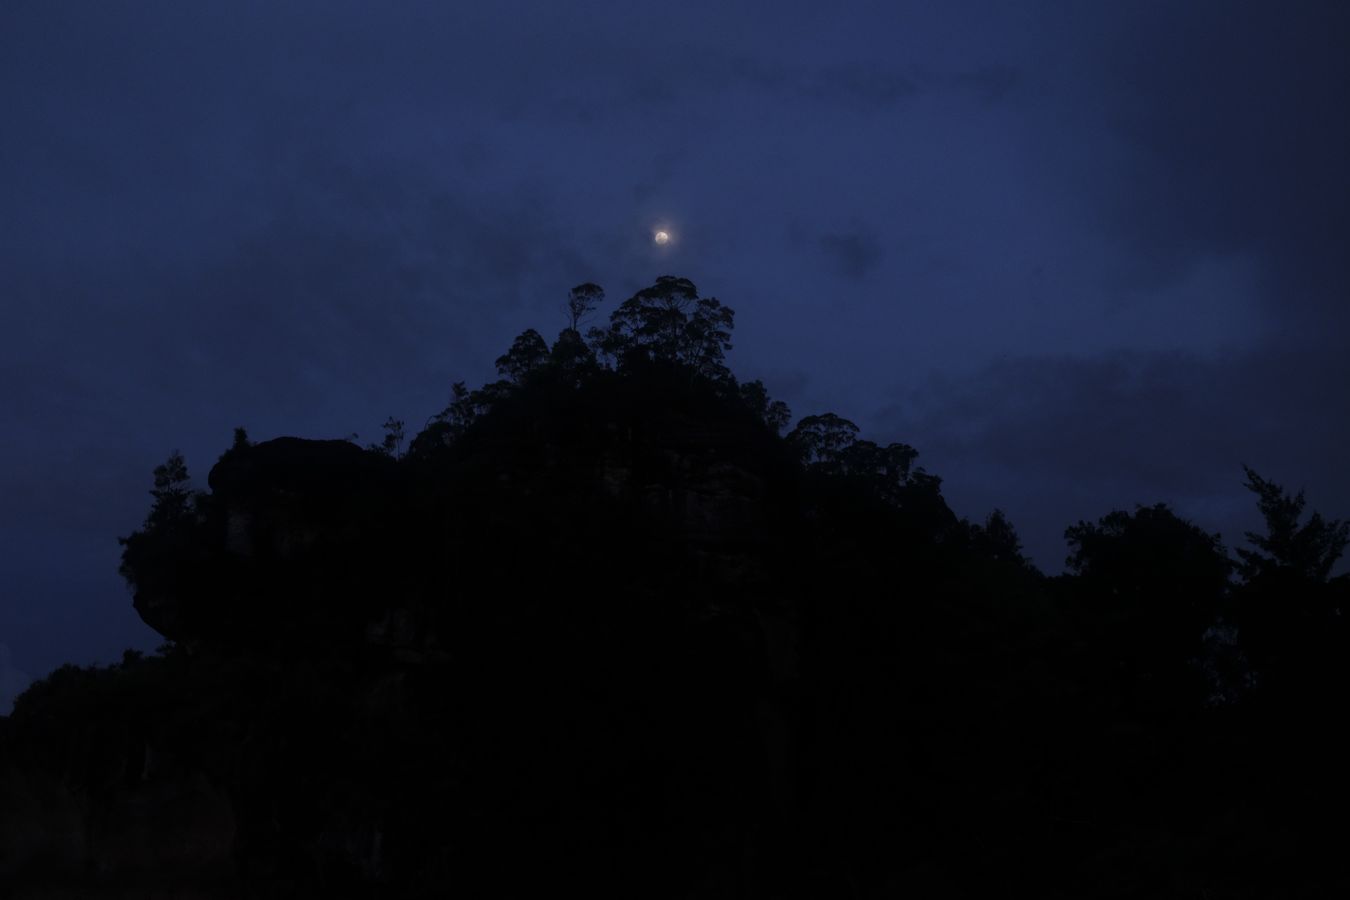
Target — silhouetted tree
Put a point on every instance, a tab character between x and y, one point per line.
1292	628
670	322
888	466
774	413
464	408
570	355
1147	549
173	496
997	540
654	318
581	302
1290	615
823	439
165	552
1308	551
528	352
392	445
1158	583
707	337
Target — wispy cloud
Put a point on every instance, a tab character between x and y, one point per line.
853	254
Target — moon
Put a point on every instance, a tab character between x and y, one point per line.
661	237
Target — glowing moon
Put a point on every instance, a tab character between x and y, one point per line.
661	237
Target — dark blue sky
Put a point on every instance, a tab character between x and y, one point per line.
1081	255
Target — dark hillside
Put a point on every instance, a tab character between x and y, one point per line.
600	627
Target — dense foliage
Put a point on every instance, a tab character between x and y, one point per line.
602	625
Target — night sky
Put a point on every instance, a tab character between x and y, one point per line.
1081	255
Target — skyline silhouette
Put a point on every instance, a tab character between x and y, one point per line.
675	451
607	624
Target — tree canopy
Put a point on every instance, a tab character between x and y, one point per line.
1308	551
605	626
528	353
669	322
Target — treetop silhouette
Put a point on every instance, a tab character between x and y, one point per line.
604	625
1308	551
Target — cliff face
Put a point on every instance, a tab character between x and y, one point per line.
286	523
67	829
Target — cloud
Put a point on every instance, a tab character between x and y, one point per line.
864	86
852	254
1056	439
